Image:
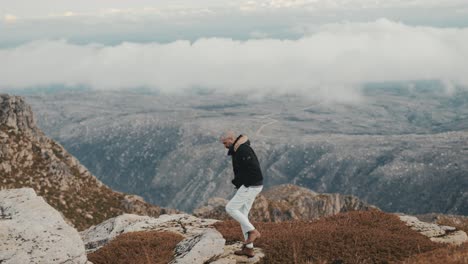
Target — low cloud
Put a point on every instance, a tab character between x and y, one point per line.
329	62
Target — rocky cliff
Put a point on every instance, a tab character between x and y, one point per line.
289	202
30	159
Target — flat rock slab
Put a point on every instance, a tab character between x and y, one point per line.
32	231
435	232
187	225
200	248
228	256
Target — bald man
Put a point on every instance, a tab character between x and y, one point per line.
248	180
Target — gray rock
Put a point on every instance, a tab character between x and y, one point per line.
228	257
31	231
435	232
15	113
200	248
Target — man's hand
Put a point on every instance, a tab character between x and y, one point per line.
236	184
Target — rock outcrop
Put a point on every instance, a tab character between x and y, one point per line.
31	231
30	159
202	243
17	115
458	221
288	202
435	232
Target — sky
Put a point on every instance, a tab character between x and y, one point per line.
325	47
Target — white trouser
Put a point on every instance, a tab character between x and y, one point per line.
239	207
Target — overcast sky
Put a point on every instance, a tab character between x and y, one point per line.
309	46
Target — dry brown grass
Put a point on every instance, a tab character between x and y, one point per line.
448	255
145	247
353	237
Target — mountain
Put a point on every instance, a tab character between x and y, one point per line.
28	158
401	147
288	202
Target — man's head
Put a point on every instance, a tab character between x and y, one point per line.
228	139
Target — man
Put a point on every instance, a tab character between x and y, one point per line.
248	180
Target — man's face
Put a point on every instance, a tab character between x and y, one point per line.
227	142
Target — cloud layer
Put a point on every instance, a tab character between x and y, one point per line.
112	22
329	61
43	8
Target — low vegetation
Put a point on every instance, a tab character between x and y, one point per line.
447	255
351	238
145	247
354	237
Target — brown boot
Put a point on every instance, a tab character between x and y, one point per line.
245	251
254	234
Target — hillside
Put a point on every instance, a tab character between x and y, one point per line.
30	159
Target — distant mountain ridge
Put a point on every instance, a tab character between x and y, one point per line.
289	202
29	159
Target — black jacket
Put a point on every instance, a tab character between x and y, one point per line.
245	163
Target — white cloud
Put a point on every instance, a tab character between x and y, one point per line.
328	63
318	5
43	8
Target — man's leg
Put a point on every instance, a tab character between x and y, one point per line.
239	207
254	191
234	206
245	210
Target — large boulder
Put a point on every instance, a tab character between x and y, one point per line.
32	231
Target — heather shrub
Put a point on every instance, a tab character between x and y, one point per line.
353	237
446	255
144	247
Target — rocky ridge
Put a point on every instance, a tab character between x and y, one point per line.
30	159
288	202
